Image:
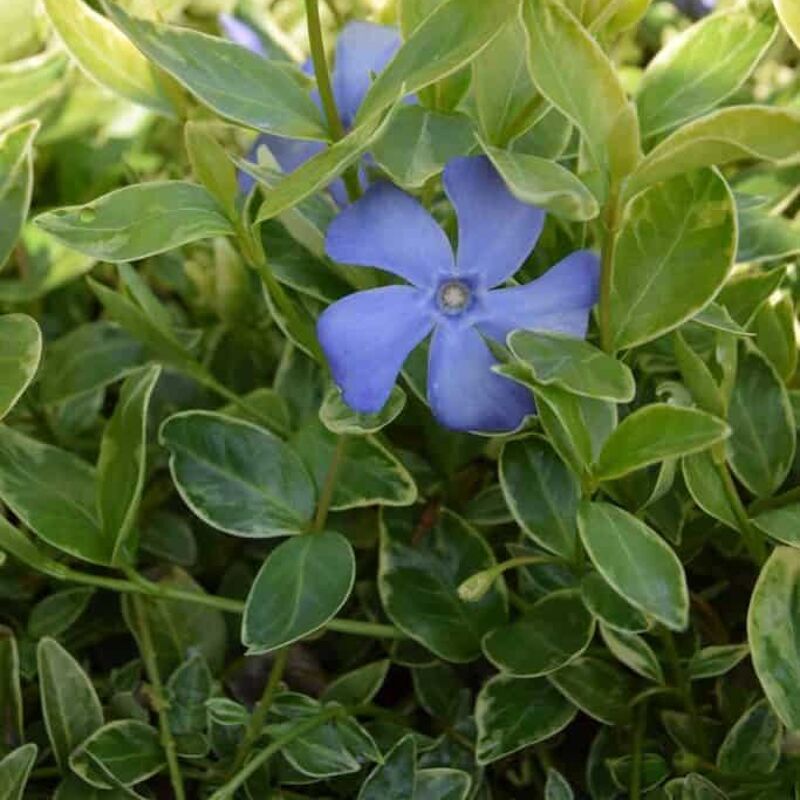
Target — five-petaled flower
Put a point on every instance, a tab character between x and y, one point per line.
368	335
363	49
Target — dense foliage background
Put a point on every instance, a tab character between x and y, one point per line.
217	580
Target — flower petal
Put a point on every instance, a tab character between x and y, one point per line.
496	232
390	230
367	336
362	51
559	301
288	153
242	34
464	393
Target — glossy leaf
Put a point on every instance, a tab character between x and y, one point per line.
770	632
544	183
753	744
454	33
106	56
138	221
369	474
701	67
655	433
762	443
790	17
442	783
15	769
122	460
542	494
781	524
237	477
16	184
636	562
301	586
20	352
512	713
339	418
634	652
420	573
707	488
395	778
70	705
609	607
574	365
571	70
358	686
552	633
675	248
53	492
56	613
597	687
716	660
125	752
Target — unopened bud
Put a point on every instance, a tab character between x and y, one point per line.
476	586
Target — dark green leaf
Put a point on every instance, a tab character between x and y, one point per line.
56	613
358	686
20	351
395	778
16	183
609	607
716	660
15	769
340	419
753	744
781	524
11	719
634	652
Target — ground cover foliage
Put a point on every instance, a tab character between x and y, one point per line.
245	553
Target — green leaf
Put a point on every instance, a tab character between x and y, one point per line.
231	80
781	524
16	183
87	358
125	752
11	718
634	652
747	292
138	221
716	660
707	488
775	650
544	183
731	134
636	562
698	378
122	460
790	18
53	492
418	143
654	769
597	687
573	73
764	235
609	607
188	690
753	744
301	586
775	335
762	445
180	626
655	433
369	474
551	634
513	713
211	165
442	783
358	686
15	769
395	778
557	787
20	352
237	477
502	86
674	251
717	317
321	170
419	578
56	613
453	34
340	419
105	55
70	705
701	67
542	494
574	365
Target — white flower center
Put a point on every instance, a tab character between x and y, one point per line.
453	296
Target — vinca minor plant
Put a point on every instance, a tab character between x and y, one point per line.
399	399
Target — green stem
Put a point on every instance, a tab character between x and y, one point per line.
229	789
326	496
322	74
779	501
613	210
151	668
753	540
140	585
259	716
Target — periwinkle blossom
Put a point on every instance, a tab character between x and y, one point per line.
367	336
695	8
363	49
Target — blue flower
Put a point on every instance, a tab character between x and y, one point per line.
363	49
367	336
695	8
